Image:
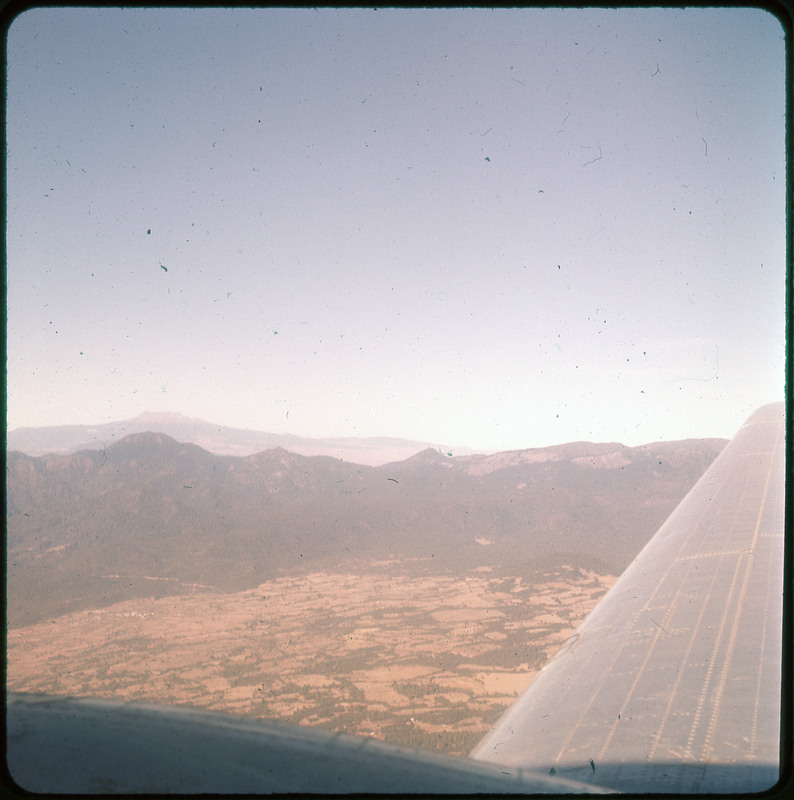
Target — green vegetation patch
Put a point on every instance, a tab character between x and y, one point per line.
449	716
414	689
458	743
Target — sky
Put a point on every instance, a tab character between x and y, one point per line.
493	229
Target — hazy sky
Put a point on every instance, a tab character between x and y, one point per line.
494	229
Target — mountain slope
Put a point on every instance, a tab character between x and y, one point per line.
149	515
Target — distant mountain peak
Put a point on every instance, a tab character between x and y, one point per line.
158	417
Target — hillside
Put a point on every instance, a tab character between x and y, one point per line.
149	516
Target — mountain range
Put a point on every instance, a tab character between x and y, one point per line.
149	515
218	439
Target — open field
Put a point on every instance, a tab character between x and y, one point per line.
428	660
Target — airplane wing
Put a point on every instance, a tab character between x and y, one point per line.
671	684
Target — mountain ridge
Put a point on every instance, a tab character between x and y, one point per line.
152	507
217	439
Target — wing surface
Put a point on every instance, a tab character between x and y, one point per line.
672	683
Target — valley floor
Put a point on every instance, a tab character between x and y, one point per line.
374	649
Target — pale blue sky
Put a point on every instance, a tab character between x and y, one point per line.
494	229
